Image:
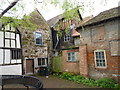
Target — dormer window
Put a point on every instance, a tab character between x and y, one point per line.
38	38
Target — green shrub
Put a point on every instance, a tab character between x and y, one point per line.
105	83
117	87
68	76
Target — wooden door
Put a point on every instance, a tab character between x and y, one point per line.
29	66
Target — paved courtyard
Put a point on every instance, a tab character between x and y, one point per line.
54	82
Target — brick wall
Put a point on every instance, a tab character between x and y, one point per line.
83	64
91	36
69	66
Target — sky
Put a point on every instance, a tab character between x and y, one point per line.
49	11
98	7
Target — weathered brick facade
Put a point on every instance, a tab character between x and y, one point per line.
102	36
70	66
100	33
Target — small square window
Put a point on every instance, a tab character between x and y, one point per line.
100	58
42	61
71	56
66	38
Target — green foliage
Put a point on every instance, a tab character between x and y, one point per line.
104	82
56	64
23	23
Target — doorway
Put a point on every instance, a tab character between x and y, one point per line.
29	66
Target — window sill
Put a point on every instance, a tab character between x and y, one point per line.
72	61
101	67
41	45
42	66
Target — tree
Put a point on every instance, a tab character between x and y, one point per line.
66	5
12	4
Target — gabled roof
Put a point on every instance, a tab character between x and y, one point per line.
75	33
37	18
54	20
105	15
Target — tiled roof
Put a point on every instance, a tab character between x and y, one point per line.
38	19
75	33
54	20
108	14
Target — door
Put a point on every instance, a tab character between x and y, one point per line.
29	66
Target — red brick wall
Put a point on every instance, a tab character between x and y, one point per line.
90	37
68	66
83	65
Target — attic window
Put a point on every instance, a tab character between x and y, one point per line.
38	38
66	38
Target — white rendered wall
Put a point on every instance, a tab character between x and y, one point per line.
1	38
18	40
1	56
7	56
11	70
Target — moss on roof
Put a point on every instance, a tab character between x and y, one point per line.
37	18
108	14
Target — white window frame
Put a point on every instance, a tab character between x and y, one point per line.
104	59
41	62
71	57
66	38
41	36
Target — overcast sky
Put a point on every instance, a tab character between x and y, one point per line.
98	7
50	11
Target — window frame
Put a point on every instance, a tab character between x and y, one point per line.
46	62
104	59
41	38
16	54
71	57
66	38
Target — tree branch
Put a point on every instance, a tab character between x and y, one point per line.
9	7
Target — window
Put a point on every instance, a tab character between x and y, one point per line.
71	56
42	61
100	58
16	54
38	38
66	38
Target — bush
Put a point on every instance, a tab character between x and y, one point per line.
105	83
